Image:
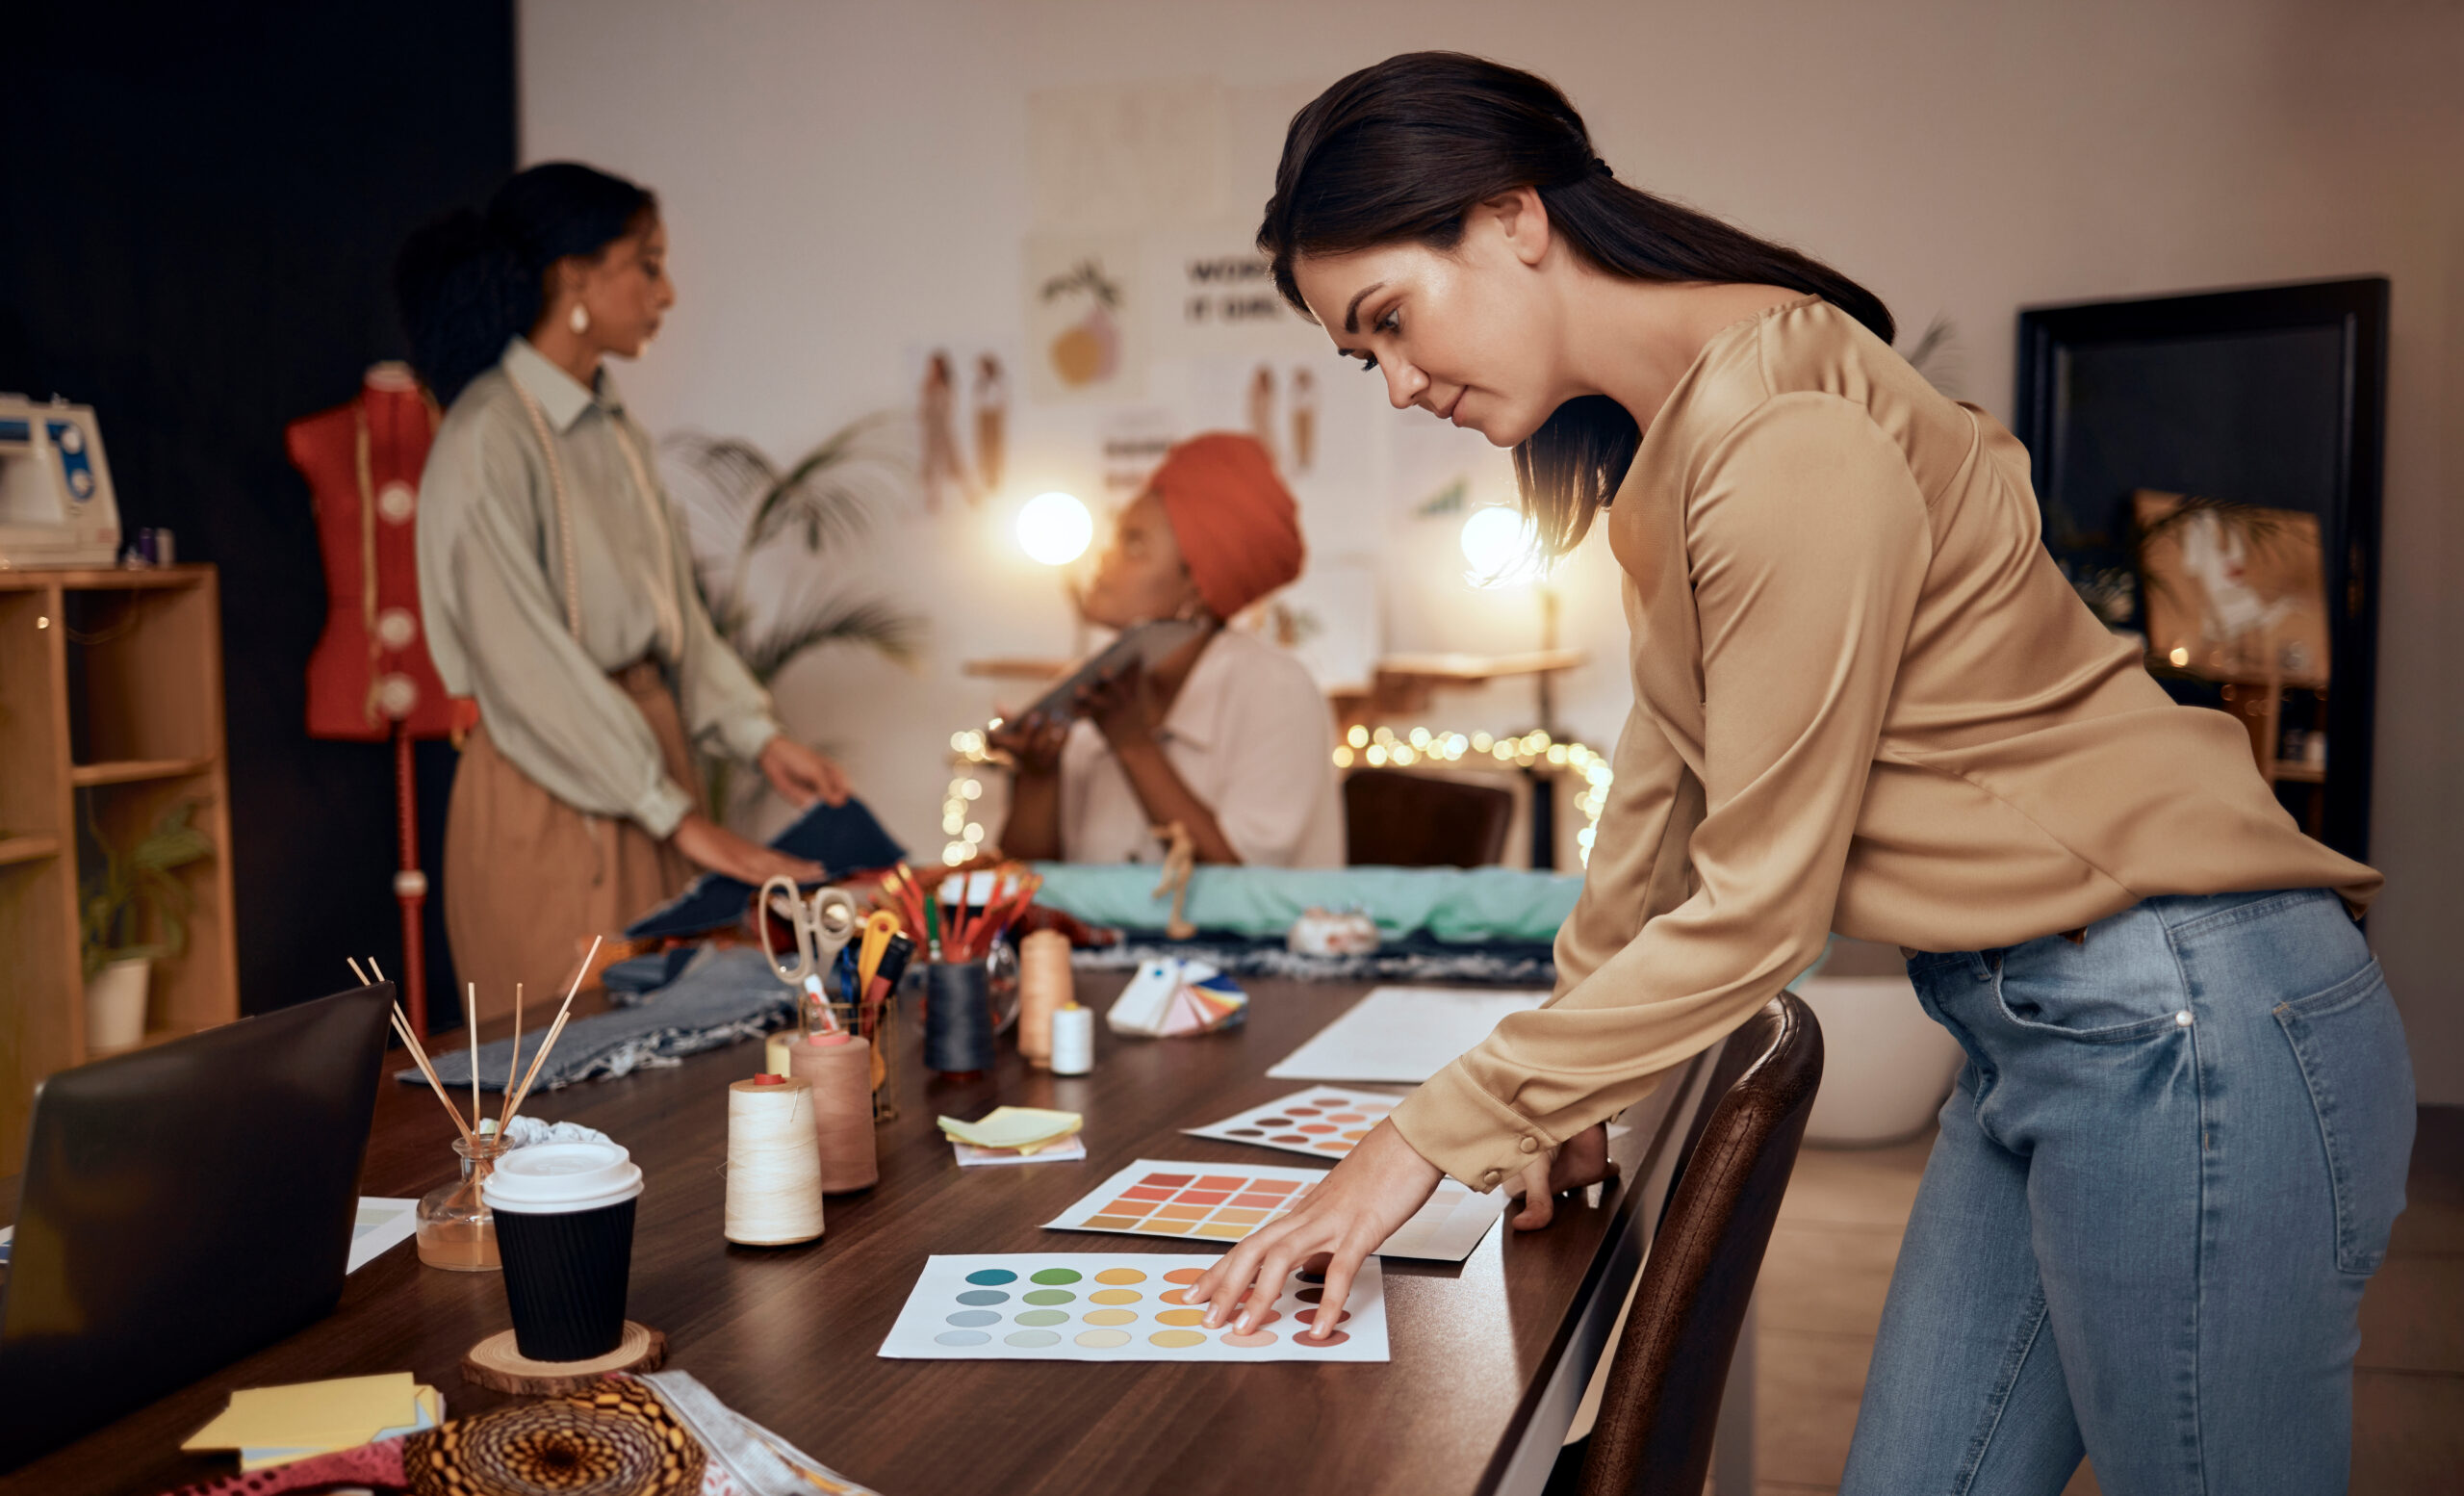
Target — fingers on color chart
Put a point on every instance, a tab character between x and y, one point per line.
1216	1204
1323	1121
1035	1307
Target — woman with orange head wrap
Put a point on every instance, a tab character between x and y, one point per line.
1229	735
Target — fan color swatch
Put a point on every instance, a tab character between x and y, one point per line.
1117	1306
1324	1122
1210	1203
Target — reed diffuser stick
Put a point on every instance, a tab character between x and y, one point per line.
512	1062
356	972
402	1027
553	1029
471	1022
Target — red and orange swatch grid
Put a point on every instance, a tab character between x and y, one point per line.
1224	1205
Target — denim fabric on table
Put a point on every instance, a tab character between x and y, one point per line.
845	840
724	994
2169	1167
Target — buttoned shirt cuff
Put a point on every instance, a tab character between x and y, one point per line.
1470	1134
658	811
747	733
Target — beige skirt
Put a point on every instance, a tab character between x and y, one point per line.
530	880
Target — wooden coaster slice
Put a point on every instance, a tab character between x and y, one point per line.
497	1362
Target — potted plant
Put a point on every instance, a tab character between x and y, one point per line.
132	891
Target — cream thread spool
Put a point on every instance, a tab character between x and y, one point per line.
1044	987
839	1069
774	1168
1073	1039
774	1052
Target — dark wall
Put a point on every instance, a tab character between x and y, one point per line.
197	243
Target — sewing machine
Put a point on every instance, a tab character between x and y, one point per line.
55	503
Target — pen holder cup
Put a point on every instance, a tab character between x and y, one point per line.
958	1017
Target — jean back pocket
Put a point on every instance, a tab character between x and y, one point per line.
2350	1047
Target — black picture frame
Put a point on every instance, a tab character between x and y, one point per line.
2272	396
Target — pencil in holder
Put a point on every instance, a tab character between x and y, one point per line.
958	1019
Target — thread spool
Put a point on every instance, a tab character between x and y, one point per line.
958	1019
776	1052
1073	1039
839	1069
1045	984
774	1164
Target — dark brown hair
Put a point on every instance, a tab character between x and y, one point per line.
1401	152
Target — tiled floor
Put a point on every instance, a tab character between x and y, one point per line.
1830	1266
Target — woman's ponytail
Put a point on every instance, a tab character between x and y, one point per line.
468	282
1401	152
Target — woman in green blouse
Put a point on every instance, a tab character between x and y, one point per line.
558	591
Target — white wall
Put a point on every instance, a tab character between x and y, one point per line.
846	183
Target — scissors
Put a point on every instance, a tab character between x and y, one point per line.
823	927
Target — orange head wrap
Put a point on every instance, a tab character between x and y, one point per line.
1237	527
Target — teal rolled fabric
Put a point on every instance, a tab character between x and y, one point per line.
1458	905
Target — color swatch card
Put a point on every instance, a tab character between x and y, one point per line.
1115	1307
1324	1122
1403	1035
1214	1203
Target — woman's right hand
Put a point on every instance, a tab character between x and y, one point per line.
706	843
1032	742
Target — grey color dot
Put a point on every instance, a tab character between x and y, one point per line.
970	1319
982	1296
961	1337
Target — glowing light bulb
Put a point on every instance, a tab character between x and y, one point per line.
1055	529
1502	546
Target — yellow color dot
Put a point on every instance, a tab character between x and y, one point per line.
1180	1317
1176	1339
1110	1316
1120	1276
1113	1296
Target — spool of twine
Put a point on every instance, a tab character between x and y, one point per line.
774	1164
1073	1041
958	1019
774	1052
840	1072
1045	984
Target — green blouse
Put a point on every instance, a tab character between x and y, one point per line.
494	590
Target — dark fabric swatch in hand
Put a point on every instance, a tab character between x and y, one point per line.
845	840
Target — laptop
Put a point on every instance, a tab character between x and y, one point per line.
180	1208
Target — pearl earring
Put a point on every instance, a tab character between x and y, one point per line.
579	320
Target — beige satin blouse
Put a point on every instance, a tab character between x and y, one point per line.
1865	701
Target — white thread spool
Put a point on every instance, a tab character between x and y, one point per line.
1044	987
774	1168
1073	1039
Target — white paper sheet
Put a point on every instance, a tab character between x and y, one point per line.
1403	1035
381	1225
1112	1307
1225	1203
1322	1121
969	1156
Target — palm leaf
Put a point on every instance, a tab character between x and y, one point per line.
829	491
869	622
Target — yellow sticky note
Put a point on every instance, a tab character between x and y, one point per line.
430	1409
335	1414
1022	1127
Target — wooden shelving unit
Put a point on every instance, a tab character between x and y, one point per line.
110	711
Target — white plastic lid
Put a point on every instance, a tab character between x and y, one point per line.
557	1179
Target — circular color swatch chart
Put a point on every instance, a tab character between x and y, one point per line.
1093	1307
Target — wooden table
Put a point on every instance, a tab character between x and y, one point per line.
1490	1357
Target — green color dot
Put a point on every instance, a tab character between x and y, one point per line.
1042	1317
1055	1276
1050	1296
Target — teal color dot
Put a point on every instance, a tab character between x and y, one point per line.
984	1296
1042	1317
992	1276
1050	1296
1055	1276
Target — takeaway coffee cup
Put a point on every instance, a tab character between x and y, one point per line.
564	1214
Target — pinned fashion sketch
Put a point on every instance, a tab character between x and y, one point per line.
991	421
1262	409
943	468
1303	398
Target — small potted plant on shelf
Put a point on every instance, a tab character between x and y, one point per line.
114	903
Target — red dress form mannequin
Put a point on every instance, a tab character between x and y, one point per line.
370	678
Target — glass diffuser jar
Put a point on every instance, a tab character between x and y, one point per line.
456	1231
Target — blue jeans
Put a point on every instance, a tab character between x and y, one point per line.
2168	1168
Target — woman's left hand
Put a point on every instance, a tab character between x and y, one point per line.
800	775
1367	1199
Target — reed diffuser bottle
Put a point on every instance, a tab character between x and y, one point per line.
456	1231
